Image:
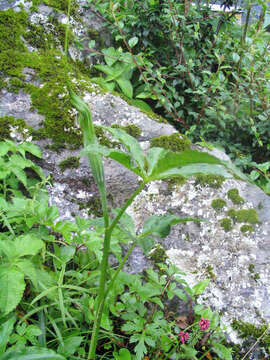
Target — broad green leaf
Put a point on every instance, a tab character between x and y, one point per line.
126	86
124	354
111	55
19	173
222	351
32	353
133	41
153	156
161	225
104	68
67	253
235	57
4	148
105	85
146	243
89	138
5	332
189	352
117	155
27	245
32	149
169	161
12	286
130	143
199	288
140	104
70	345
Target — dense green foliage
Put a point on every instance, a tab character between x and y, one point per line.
204	73
50	272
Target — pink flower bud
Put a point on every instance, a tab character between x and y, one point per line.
183	337
204	324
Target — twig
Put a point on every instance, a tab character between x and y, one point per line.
253	346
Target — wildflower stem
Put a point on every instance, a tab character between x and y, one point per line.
102	293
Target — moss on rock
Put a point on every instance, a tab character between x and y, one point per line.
226	224
249	216
246	229
175	142
218	204
213	181
131	129
233	195
71	162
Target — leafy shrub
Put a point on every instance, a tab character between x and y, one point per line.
204	73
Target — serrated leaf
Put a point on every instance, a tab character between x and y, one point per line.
27	245
32	353
19	173
12	286
5	332
222	351
104	68
140	348
200	287
29	270
235	57
111	55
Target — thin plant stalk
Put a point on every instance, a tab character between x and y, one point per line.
104	264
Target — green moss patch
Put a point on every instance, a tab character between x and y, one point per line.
175	142
213	181
9	122
246	229
233	195
131	129
249	216
251	333
71	162
226	224
218	204
50	100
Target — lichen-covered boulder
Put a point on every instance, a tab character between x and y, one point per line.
230	246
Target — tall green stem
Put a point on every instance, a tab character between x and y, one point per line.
102	293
